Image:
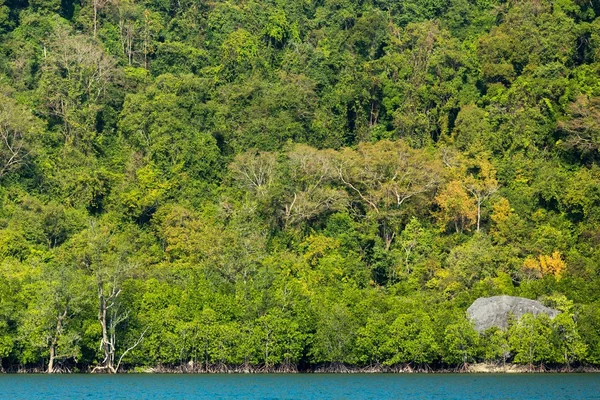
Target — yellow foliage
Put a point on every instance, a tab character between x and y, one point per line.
553	265
456	207
531	268
501	212
442	280
544	265
318	246
505	222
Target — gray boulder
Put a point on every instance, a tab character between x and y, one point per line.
487	312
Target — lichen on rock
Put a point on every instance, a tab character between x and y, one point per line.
488	312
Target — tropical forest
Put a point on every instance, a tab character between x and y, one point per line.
297	185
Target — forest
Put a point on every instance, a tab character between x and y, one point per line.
296	185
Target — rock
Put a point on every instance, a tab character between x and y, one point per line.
487	312
484	368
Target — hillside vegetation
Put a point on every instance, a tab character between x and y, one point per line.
296	184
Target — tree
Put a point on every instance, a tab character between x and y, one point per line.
472	131
254	170
482	185
456	207
97	6
280	340
335	335
507	227
76	76
544	265
528	339
371	340
412	340
472	261
312	173
385	176
415	243
568	340
588	323
582	128
239	52
531	34
50	322
150	29
128	22
461	343
164	123
11	306
107	258
229	248
18	133
495	345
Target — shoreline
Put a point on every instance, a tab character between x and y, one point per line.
471	369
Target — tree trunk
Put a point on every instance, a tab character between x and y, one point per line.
95	17
478	213
109	323
51	361
106	345
267	350
57	332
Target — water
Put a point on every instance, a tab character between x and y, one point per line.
309	386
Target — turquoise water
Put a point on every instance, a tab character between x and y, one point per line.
309	386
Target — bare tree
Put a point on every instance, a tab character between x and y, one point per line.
98	5
583	126
128	29
385	175
483	186
110	316
76	74
107	257
254	170
312	173
17	128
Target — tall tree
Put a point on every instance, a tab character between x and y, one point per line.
19	131
108	258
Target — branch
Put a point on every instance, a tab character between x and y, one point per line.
131	348
288	210
351	186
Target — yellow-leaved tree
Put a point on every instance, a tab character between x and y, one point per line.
457	208
553	265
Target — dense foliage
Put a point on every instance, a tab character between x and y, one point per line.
283	184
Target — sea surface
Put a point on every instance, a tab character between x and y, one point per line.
302	386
